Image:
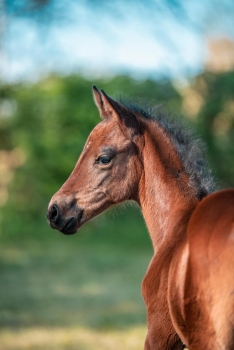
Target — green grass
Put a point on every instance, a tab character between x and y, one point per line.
78	292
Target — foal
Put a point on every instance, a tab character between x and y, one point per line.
132	155
209	287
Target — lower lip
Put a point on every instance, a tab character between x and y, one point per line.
70	228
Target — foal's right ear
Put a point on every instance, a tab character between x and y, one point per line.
98	100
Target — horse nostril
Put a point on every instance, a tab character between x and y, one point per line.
54	213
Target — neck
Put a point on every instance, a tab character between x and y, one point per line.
165	197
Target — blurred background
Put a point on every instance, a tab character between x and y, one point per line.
83	292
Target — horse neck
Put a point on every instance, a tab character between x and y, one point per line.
165	197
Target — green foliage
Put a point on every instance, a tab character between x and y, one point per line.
50	123
74	292
216	122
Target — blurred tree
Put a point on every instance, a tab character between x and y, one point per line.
216	122
43	127
49	123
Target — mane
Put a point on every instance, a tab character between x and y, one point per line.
190	148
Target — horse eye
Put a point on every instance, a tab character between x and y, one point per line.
104	160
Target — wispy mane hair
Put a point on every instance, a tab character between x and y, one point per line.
189	147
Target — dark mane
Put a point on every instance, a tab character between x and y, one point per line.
190	149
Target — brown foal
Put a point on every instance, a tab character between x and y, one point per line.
131	155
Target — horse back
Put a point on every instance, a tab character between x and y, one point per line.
209	286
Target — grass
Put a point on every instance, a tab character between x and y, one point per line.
73	338
80	292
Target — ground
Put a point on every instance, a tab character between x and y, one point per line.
78	292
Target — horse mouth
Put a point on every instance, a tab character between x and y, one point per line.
72	225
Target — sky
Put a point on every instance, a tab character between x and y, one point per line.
102	38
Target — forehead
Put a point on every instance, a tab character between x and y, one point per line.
106	132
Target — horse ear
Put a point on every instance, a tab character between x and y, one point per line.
102	102
110	108
98	101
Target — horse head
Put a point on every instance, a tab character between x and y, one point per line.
107	172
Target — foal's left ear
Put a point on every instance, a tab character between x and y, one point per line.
106	106
110	108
